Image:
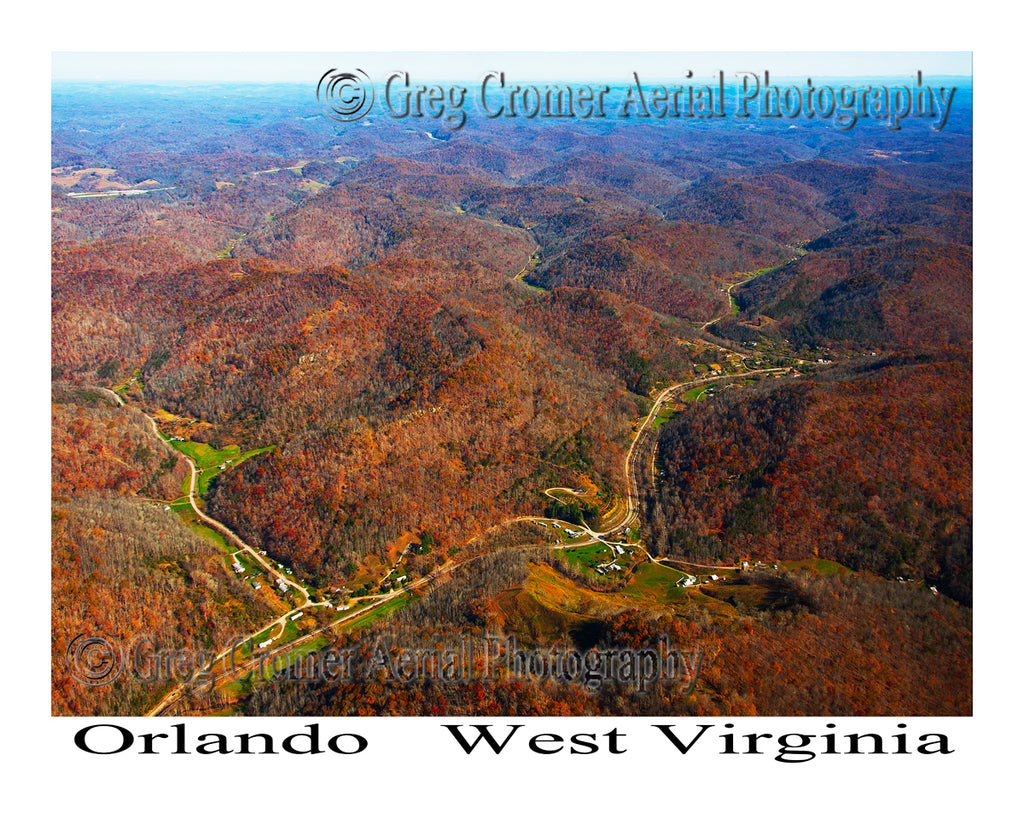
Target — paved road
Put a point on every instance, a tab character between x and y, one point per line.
631	469
112	394
271	570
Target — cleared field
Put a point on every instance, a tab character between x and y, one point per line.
652	584
667	410
589	558
549	608
372	616
211	462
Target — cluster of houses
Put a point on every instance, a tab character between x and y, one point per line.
567	530
689	580
613	566
255	578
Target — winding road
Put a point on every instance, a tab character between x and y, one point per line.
622	521
631	469
232	536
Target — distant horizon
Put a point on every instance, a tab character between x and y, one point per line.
283	68
692	80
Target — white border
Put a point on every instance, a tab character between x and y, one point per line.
418	769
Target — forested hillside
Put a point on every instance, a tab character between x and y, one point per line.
586	382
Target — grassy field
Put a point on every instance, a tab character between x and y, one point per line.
293	628
668	409
211	462
248	564
588	557
297	653
183	509
654	584
291	631
372	616
215	537
241	687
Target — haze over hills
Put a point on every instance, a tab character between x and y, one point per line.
396	356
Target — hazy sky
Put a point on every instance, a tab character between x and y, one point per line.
470	66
